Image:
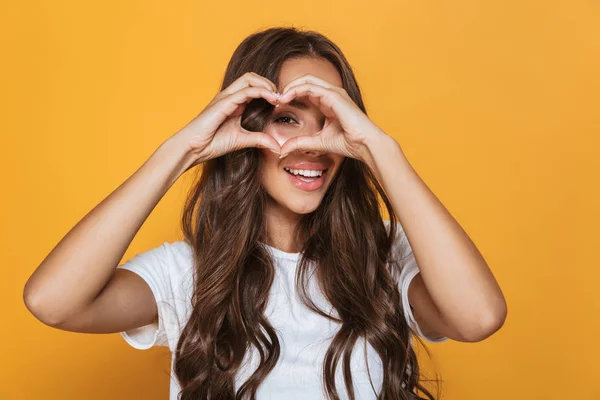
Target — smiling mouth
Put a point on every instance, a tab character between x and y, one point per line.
307	178
307	183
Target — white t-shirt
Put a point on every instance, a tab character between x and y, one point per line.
304	335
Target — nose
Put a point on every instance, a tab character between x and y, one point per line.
310	132
312	153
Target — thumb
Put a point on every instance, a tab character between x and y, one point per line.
258	139
302	143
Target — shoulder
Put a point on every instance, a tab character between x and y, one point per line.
401	246
175	256
167	265
178	261
178	254
168	269
399	230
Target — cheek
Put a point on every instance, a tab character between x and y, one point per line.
269	167
339	159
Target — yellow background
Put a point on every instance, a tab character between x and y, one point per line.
496	105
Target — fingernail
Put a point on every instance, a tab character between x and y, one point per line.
276	152
283	155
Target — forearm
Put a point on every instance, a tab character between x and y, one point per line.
80	265
454	272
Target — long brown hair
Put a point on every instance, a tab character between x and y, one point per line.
344	238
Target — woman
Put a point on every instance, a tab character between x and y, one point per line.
289	283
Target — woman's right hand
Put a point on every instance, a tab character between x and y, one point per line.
217	129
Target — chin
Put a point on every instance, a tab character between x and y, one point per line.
298	205
303	207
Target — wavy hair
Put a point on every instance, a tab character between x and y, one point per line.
344	239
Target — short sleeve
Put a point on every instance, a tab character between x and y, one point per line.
165	269
403	252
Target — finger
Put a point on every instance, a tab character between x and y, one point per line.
231	103
331	103
269	82
239	111
244	81
257	139
308	78
303	143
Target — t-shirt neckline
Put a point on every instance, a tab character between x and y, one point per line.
283	254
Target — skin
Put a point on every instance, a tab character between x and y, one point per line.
455	293
286	202
76	288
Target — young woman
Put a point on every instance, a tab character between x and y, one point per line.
289	283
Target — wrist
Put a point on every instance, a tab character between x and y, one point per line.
375	144
384	156
173	155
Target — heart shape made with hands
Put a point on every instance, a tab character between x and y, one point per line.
346	128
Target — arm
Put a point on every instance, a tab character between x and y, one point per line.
76	286
455	294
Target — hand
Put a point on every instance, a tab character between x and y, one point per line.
217	129
346	130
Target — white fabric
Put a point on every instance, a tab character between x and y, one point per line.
304	335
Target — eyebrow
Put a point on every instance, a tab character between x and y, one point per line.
298	104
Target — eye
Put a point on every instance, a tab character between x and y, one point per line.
280	120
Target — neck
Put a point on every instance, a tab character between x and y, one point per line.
280	223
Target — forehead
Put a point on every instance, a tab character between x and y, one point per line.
319	67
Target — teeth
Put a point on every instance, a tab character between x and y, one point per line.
305	172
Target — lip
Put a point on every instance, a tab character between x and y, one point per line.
307	165
307	186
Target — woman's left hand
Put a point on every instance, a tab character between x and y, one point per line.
346	130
